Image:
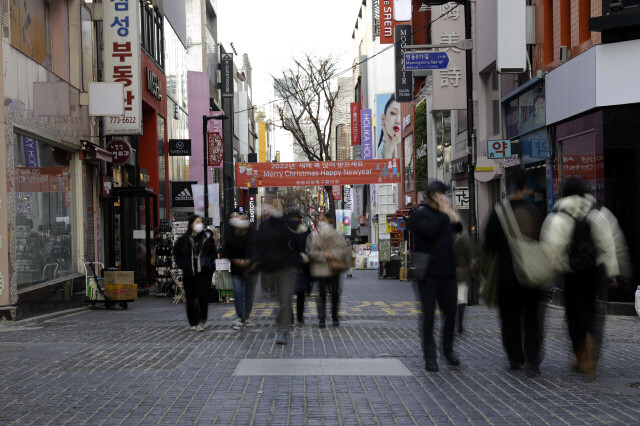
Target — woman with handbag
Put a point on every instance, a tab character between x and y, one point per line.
195	253
329	254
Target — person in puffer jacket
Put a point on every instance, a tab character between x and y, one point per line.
582	287
327	244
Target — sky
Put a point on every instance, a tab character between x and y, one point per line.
273	32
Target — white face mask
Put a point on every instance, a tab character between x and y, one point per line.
324	226
236	222
275	213
198	228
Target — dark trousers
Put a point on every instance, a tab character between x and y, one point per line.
302	287
516	302
196	290
332	285
580	292
443	290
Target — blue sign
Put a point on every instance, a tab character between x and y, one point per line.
539	148
425	61
499	149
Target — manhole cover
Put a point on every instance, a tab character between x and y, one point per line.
635	385
4	349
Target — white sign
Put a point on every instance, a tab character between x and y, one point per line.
449	84
462	198
122	63
213	195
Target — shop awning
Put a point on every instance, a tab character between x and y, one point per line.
94	152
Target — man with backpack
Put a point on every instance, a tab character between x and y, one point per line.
579	236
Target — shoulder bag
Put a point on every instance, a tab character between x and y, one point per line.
531	261
419	265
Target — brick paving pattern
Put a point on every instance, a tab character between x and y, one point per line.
143	366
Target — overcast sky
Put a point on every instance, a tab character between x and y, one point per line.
272	32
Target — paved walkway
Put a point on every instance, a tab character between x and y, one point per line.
143	366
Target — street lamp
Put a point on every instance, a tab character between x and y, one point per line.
205	160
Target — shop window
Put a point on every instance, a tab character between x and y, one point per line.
43	200
152	32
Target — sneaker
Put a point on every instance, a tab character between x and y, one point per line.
282	339
238	324
431	365
200	327
248	323
193	328
452	359
322	324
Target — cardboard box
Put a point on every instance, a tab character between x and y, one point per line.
121	291
119	277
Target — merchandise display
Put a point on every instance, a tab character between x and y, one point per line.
164	258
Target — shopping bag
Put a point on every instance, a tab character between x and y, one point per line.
222	280
531	261
419	265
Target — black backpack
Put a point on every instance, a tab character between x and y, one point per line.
582	251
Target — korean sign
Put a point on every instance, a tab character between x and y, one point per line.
499	149
313	173
462	198
120	149
355	123
449	84
122	63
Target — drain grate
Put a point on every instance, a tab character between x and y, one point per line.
5	349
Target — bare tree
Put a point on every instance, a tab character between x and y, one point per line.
308	107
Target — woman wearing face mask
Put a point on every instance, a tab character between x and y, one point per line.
195	254
389	143
326	245
236	248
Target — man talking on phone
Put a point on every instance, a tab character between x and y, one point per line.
433	228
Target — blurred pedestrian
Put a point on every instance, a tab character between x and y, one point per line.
515	301
273	254
237	249
433	227
195	254
350	246
329	256
299	241
585	240
464	259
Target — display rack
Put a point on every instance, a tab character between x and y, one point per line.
164	258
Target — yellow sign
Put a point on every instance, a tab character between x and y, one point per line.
262	138
484	169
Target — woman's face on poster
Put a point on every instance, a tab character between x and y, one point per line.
391	121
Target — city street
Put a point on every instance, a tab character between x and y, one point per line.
144	366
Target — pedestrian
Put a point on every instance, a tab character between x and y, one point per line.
519	305
273	254
351	248
582	237
301	231
329	256
464	259
433	227
237	250
195	254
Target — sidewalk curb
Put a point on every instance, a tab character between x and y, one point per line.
45	317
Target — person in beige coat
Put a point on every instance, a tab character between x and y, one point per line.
327	245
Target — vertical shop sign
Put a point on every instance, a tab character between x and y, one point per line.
348	198
355	123
387	22
367	134
404	79
449	84
122	63
336	190
227	75
30	152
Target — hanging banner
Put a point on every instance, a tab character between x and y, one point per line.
336	190
355	123
343	221
215	144
387	23
313	173
214	201
366	120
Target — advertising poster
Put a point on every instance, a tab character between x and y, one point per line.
388	135
214	201
343	221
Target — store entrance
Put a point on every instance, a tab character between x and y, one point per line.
131	242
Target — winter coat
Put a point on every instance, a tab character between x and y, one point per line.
462	252
272	248
557	233
317	245
195	254
237	246
433	234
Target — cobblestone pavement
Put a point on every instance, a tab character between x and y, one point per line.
143	366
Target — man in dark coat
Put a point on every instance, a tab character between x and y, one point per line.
517	302
433	227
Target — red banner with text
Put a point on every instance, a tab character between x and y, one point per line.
313	173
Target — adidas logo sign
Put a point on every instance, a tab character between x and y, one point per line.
185	195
